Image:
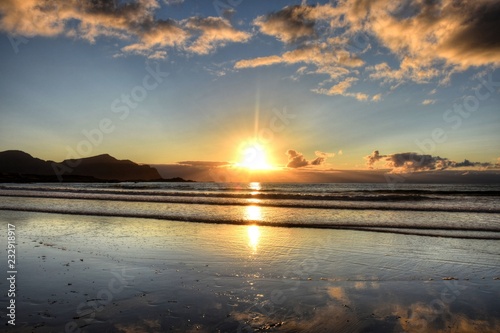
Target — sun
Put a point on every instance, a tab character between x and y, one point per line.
253	156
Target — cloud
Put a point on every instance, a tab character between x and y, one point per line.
204	163
318	161
173	2
428	101
377	98
408	162
288	25
475	41
467	163
323	154
134	23
321	157
340	89
297	160
158	36
431	37
214	32
372	159
430	40
326	60
409	70
293	23
257	62
414	162
299	25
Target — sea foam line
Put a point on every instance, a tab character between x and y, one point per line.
286	203
473	232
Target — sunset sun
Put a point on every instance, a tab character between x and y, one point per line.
253	156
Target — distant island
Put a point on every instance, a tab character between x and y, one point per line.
19	167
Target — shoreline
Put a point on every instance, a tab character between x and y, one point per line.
484	233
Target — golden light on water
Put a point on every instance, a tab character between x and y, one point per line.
253	236
255	186
253	213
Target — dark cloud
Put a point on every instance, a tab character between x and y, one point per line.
289	24
373	158
409	162
204	163
297	160
477	40
432	39
414	162
467	163
318	161
405	162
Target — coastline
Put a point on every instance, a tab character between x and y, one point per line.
87	273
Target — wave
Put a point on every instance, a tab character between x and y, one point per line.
283	201
152	188
472	232
309	194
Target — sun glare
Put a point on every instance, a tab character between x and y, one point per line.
253	236
253	156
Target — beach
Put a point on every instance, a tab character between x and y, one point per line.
78	273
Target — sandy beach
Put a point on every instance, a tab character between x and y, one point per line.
88	274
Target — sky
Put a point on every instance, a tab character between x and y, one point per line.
406	86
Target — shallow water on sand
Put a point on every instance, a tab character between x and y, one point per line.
93	273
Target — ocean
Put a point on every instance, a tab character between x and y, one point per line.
253	257
460	211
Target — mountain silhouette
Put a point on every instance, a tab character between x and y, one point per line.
16	161
18	165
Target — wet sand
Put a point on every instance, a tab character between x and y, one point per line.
87	274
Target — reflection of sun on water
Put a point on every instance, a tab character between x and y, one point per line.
255	186
253	213
253	236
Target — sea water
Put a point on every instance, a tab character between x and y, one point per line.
463	211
